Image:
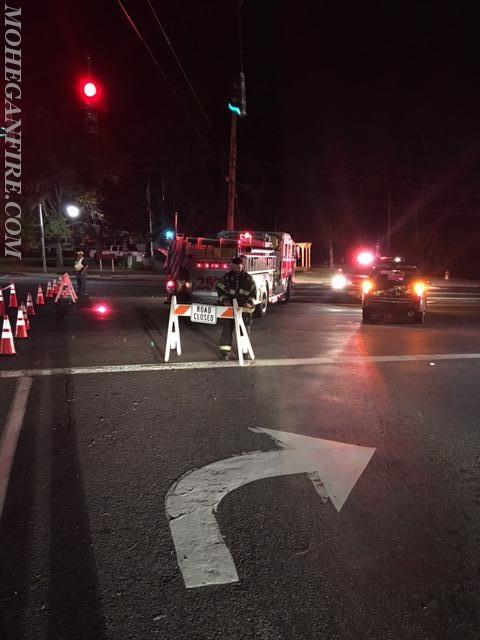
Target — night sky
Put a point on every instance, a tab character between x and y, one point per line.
345	101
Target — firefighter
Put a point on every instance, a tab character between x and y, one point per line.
81	270
238	284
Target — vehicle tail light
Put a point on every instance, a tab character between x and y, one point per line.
419	288
367	286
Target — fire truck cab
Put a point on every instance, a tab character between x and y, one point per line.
195	265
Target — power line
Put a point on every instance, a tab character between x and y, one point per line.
168	83
289	170
184	73
342	178
312	197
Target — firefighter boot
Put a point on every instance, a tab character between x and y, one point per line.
224	354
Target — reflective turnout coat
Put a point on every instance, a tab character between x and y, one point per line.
237	285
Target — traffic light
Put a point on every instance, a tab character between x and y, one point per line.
238	101
3	132
90	95
90	90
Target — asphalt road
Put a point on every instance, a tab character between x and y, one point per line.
331	543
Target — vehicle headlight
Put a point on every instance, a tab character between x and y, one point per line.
419	288
339	282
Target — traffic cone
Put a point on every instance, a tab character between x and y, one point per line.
40	298
49	290
7	346
21	328
2	304
54	287
30	307
13	304
25	317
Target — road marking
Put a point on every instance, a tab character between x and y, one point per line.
192	501
11	433
214	364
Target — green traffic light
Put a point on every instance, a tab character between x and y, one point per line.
234	109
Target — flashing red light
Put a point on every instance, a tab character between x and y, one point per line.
247	235
101	309
365	258
90	89
207	266
225	266
199	264
170	285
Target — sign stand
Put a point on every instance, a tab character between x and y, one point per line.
234	313
244	345
65	289
173	335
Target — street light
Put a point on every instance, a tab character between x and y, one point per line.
72	211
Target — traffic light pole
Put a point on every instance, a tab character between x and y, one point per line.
232	175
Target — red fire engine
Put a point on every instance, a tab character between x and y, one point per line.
195	265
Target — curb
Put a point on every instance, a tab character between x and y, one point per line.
92	276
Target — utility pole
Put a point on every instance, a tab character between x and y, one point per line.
149	211
232	174
42	236
389	219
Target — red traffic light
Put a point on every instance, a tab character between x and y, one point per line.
90	89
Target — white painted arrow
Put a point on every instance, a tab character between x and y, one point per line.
191	502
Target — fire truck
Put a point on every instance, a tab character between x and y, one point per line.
195	265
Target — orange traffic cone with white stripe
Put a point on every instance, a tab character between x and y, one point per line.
54	287
7	346
2	304
40	298
49	293
30	307
13	304
25	316
21	328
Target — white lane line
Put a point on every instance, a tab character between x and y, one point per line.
279	362
10	435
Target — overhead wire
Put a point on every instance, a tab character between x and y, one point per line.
166	80
184	73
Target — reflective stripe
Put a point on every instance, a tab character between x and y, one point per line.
225	347
244	292
221	286
232	292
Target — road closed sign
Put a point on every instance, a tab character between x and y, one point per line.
204	313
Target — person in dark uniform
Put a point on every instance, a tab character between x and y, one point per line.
239	284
